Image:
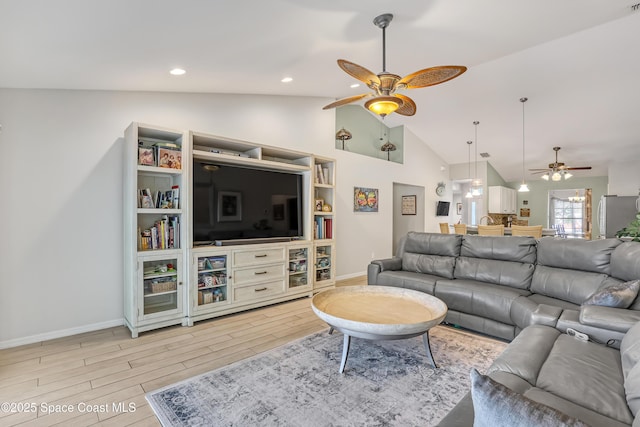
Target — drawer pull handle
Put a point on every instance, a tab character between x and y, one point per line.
260	289
260	256
260	272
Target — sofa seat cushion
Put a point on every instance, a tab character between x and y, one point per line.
408	280
587	374
542	299
494	404
478	298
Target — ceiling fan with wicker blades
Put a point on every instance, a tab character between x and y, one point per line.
557	170
384	85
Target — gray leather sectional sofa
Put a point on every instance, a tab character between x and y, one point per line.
531	291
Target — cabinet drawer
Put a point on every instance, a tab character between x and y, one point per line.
258	256
259	291
262	273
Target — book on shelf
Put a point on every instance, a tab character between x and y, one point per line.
323	228
175	197
164	234
319	176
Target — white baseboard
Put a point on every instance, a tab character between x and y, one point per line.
61	333
351	276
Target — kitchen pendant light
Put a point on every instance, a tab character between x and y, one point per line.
469	195
523	187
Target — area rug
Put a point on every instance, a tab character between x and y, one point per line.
385	383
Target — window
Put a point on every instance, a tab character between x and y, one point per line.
568	214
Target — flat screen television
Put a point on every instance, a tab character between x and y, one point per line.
442	209
235	203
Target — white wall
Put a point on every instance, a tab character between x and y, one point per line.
624	178
61	174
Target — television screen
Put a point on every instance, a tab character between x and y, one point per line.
442	209
231	202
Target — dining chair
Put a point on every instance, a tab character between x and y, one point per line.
460	228
444	228
491	230
527	230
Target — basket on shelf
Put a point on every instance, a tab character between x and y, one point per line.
157	287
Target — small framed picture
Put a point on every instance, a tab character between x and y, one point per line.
229	206
169	158
319	205
146	156
459	208
408	205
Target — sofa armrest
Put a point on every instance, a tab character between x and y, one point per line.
393	264
615	319
378	266
546	315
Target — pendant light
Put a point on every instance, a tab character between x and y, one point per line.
476	183
469	195
523	187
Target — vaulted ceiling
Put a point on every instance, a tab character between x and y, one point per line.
576	61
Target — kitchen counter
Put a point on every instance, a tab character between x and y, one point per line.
473	229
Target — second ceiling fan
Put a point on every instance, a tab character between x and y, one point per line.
384	85
557	170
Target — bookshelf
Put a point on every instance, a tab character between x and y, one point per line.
170	279
324	222
154	220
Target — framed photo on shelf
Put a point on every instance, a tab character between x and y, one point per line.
146	156
229	206
168	158
319	205
409	205
459	208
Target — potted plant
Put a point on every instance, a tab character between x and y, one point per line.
631	231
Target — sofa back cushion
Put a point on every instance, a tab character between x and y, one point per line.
568	285
625	261
433	243
430	253
515	248
577	254
506	273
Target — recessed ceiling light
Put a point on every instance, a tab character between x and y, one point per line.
177	72
355	85
287	79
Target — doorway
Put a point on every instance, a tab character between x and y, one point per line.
402	224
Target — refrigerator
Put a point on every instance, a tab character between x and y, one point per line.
615	213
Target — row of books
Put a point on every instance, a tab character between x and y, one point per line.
323	228
322	175
161	199
164	234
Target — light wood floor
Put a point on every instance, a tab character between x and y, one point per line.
91	374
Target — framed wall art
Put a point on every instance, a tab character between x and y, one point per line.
408	205
365	199
229	206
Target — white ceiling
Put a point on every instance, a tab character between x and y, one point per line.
576	60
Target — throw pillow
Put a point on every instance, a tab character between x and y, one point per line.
617	296
496	405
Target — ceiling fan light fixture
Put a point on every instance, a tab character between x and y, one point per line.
556	176
383	105
567	175
545	176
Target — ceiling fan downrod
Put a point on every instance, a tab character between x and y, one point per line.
383	21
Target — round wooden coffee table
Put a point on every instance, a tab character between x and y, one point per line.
379	313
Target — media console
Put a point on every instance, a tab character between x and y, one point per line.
170	278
